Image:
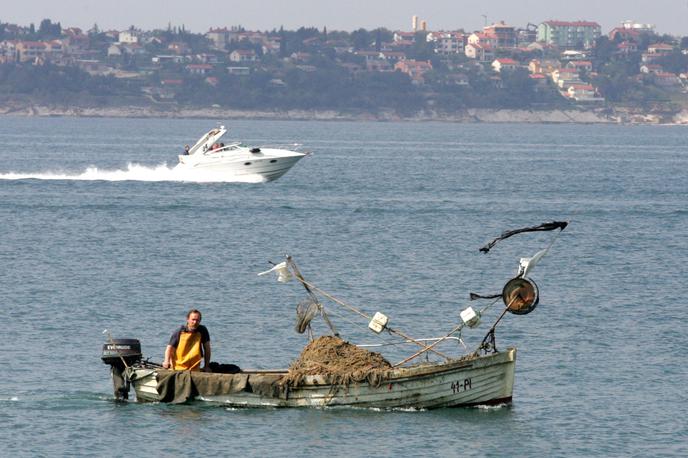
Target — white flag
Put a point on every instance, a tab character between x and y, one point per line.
282	270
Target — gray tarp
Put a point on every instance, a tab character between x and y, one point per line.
182	386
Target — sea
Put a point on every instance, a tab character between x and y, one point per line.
100	235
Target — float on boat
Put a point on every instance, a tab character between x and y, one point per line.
331	372
236	159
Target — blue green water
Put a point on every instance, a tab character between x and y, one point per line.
95	233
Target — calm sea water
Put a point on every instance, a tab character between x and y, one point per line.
96	233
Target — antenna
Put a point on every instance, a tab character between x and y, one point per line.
484	18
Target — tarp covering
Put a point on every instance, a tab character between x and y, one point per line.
181	386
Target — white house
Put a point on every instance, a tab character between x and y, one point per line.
504	63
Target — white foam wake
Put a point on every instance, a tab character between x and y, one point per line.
137	172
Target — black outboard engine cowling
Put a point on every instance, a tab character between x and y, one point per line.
120	353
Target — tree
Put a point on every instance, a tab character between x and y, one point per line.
675	62
48	30
360	39
603	51
684	43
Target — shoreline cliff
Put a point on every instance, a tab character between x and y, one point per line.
472	115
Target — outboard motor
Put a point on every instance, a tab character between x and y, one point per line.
119	354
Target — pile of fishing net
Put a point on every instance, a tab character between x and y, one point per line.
339	362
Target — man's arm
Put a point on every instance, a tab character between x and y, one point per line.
168	363
206	354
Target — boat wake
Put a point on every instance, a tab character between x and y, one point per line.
138	172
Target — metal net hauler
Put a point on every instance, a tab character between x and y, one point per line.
331	371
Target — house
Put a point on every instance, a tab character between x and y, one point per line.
630	31
163	59
379	65
129	36
565	76
179	47
582	93
544	66
458	79
351	67
243	55
501	35
569	34
414	69
482	53
504	63
538	79
8	51
624	34
241	71
30	50
446	43
199	69
404	36
666	79
368	55
392	56
93	66
580	65
133	49
483	39
218	37
115	50
656	51
300	57
651	68
206	58
572	54
627	47
660	49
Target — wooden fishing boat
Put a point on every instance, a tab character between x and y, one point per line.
333	373
469	381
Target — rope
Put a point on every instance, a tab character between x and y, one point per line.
367	317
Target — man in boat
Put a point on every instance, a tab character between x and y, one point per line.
186	150
189	345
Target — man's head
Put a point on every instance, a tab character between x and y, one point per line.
193	319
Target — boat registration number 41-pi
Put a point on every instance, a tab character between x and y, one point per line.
460	387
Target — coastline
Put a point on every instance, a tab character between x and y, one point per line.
471	115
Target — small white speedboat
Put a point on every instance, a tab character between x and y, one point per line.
235	159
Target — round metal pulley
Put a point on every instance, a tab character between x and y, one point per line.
520	295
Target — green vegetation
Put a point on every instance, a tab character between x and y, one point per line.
317	69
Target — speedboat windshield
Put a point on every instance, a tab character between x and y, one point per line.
208	140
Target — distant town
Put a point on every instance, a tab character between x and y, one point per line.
552	65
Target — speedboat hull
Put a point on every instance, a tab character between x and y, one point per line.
268	167
483	380
236	160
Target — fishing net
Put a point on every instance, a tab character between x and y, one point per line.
305	311
340	362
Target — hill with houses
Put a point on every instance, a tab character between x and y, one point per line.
556	65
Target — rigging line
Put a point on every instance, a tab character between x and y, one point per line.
484	309
457	328
355	310
353	323
334	299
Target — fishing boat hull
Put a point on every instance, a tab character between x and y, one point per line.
483	380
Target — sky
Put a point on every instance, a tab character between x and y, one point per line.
669	16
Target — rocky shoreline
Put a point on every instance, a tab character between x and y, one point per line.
476	115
